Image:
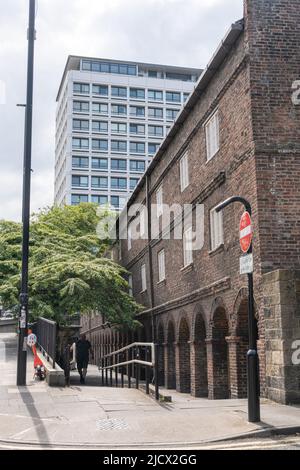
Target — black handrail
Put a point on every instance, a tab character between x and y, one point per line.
136	355
47	338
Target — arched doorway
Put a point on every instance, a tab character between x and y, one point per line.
200	384
171	369
221	381
161	355
184	382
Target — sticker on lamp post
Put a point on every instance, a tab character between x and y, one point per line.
246	264
23	318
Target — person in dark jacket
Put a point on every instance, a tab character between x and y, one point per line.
83	352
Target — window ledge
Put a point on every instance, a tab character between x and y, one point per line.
188	268
143	291
217	250
162	282
212	157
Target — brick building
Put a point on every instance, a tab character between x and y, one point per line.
238	134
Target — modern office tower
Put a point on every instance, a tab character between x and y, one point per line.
111	118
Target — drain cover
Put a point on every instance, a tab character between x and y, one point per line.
114	423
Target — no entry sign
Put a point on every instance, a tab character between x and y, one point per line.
245	232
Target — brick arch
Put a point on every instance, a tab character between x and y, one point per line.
170	374
241	297
184	355
198	310
218	303
183	316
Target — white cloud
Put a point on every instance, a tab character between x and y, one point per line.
11	192
179	32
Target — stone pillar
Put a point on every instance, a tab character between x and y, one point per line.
281	291
170	365
166	364
198	366
161	364
237	364
183	367
210	368
217	364
177	366
194	369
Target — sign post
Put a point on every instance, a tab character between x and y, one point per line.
246	267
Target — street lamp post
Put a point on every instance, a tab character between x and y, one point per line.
23	319
252	356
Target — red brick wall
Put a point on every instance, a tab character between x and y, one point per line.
274	46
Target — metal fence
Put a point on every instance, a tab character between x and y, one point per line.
46	332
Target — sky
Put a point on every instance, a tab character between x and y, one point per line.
174	32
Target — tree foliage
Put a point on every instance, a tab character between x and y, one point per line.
68	272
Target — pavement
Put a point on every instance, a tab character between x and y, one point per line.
97	417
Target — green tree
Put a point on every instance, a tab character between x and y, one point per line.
68	272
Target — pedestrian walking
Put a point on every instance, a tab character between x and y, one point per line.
83	353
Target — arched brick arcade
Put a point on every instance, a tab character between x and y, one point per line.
199	382
170	370
183	362
218	360
201	354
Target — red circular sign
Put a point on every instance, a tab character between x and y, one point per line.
245	232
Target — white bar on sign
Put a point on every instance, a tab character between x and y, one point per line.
246	231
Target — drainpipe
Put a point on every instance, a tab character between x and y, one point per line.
148	205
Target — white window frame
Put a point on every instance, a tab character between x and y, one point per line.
159	201
184	171
212	135
130	285
187	247
129	238
143	277
161	265
142	222
216	229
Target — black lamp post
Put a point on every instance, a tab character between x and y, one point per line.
23	320
252	356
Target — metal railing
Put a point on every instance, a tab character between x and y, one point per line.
130	361
46	332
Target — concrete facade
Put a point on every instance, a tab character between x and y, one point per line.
111	117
